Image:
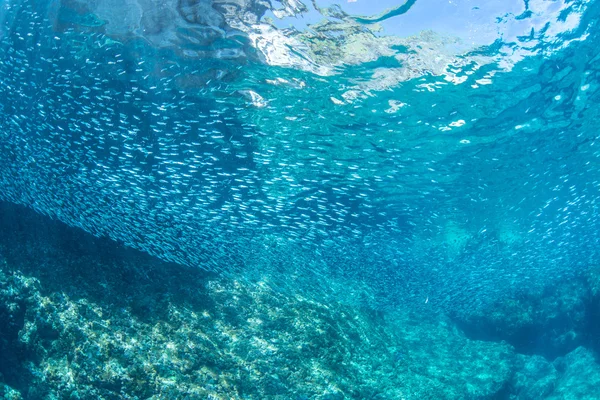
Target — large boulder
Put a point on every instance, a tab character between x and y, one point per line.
534	378
580	376
549	322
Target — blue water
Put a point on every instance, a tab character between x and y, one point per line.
445	156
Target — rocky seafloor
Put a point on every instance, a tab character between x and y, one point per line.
85	318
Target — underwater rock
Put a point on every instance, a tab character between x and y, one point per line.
593	309
8	393
550	322
580	376
438	354
248	343
131	326
574	376
535	378
15	296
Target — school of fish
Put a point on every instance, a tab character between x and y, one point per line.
203	134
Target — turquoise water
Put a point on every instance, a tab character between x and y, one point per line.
441	157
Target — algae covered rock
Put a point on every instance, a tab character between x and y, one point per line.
16	300
593	306
534	378
575	376
8	393
549	322
580	376
238	340
441	363
129	326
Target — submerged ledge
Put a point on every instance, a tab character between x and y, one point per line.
87	318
